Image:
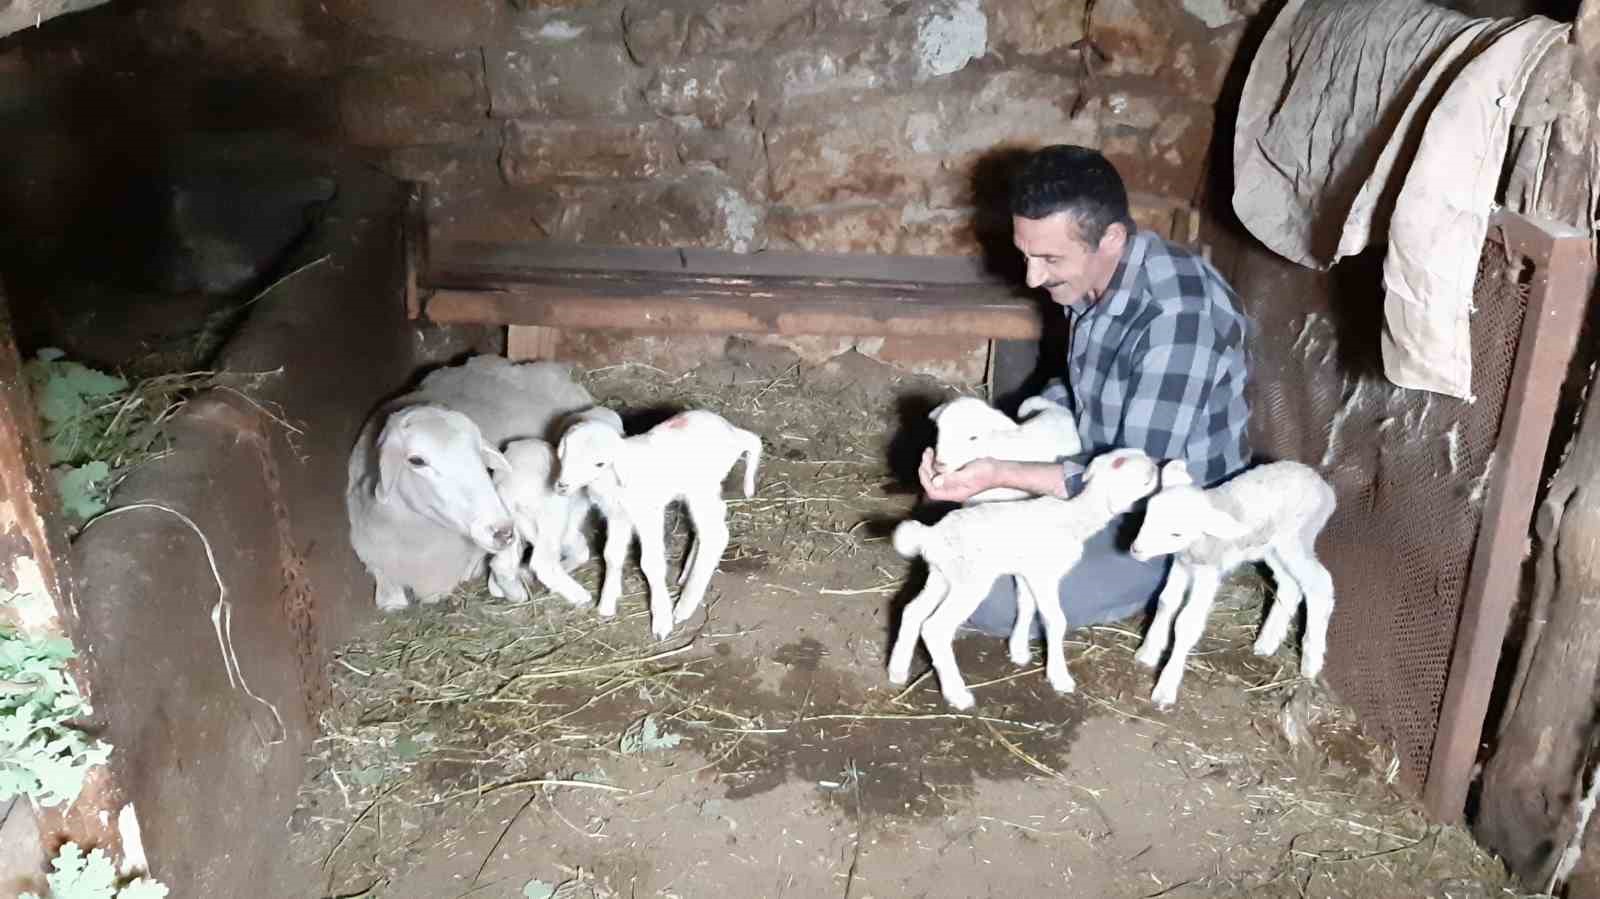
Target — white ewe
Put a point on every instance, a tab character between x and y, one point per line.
686	457
971	429
1272	513
423	511
1037	540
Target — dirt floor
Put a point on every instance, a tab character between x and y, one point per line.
484	749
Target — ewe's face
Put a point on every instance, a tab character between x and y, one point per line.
437	463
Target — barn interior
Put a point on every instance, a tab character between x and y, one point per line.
231	229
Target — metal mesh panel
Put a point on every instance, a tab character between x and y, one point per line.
1410	470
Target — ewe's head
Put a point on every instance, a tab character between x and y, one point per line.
1179	515
1122	477
435	462
588	450
963	422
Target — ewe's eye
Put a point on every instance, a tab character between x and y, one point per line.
599	465
418	462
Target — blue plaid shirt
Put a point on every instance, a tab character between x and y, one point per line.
1158	364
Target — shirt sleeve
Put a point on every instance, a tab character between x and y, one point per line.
1177	363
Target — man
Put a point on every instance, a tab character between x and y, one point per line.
1155	361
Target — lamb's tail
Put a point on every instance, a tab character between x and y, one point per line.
751	450
910	537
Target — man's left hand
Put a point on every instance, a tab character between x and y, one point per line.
955	486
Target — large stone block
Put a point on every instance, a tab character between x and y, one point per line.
538	151
695	211
465	23
924	146
712	90
654	33
746	26
469	200
415	100
1036	27
561	79
735	150
1168	159
859	228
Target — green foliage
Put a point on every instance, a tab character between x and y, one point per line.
41	754
90	428
79	876
646	735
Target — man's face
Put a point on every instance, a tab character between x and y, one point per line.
1061	262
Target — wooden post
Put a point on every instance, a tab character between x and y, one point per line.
33	564
525	343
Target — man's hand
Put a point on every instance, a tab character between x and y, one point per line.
955	486
1037	478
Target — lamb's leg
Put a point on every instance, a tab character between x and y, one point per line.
1046	584
939	634
1284	604
708	514
1021	653
653	561
574	545
1190	625
547	567
389	596
911	618
505	574
688	558
1318	586
1167	605
619	536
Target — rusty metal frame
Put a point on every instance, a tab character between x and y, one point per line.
1558	293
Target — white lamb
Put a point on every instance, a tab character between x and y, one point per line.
1037	540
552	524
971	429
1273	514
686	457
424	514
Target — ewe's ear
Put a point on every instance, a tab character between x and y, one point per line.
1221	525
1175	474
392	454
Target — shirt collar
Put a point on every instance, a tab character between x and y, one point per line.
1119	291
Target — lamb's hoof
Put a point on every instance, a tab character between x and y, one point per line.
1063	684
1164	697
960	701
1147	657
898	677
573	556
661	631
680	615
1310	667
1021	655
391	606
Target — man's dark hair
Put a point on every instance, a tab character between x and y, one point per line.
1075	180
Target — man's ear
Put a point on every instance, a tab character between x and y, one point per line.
1114	238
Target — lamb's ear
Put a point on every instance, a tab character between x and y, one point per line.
1221	525
493	458
936	411
1175	474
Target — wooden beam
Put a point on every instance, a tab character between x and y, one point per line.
732	310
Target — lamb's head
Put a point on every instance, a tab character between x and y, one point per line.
963	422
435	462
588	450
1122	477
1178	515
530	479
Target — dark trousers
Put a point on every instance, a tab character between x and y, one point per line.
1106	585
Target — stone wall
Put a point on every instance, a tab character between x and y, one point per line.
832	125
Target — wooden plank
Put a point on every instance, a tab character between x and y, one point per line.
1557	298
526	343
461	263
731	309
414	237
